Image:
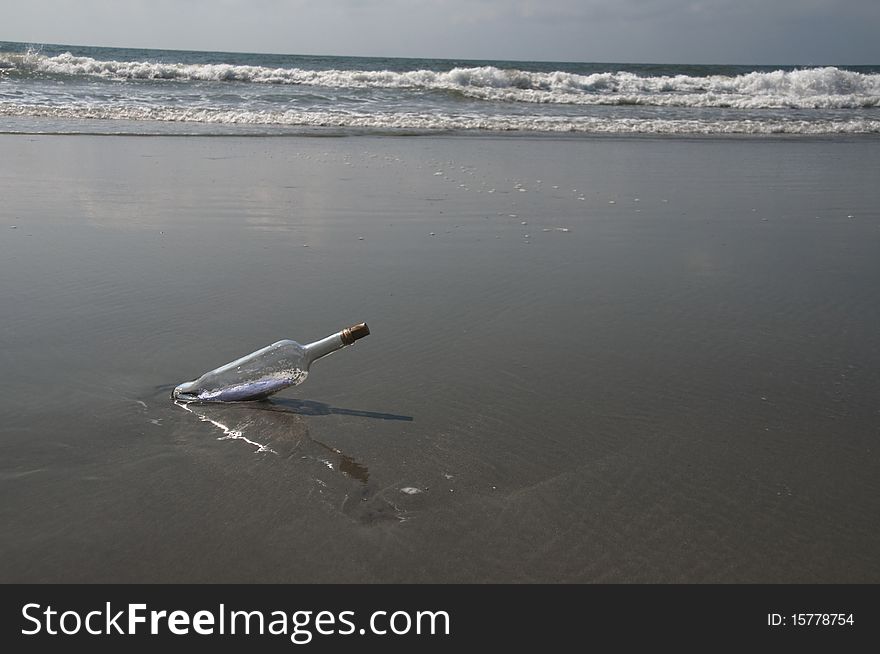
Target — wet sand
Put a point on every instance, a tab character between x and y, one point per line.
591	359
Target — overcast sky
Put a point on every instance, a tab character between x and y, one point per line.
663	31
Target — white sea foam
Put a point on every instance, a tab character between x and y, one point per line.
70	89
826	88
438	121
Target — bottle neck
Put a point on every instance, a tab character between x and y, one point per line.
325	346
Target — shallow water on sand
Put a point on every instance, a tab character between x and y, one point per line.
590	359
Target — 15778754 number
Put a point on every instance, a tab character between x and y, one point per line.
821	619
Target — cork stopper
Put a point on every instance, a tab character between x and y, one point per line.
353	333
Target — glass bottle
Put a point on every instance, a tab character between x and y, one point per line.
264	372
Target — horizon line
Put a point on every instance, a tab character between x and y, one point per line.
435	58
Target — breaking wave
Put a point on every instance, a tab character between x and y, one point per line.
809	88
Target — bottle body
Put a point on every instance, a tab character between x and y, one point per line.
260	374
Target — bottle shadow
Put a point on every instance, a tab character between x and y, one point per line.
313	408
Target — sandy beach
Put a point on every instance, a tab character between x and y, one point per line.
592	359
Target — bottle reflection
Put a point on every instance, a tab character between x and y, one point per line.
277	428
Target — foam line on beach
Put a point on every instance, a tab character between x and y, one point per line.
423	121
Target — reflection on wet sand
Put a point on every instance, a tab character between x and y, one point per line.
276	428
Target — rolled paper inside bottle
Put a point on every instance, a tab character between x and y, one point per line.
355	332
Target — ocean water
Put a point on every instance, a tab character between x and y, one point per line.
76	89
